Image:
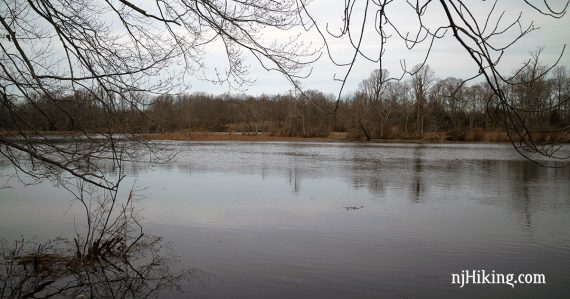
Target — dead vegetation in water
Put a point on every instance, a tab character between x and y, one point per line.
113	258
51	269
353	208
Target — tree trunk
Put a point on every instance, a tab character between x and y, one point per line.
364	130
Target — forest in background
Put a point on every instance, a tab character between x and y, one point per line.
419	107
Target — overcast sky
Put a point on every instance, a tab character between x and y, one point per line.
447	58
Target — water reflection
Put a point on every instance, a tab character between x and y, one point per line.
417	185
53	269
109	255
294	179
489	174
292	220
427	172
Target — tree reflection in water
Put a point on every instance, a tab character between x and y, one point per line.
53	269
113	258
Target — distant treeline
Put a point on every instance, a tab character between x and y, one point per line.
380	108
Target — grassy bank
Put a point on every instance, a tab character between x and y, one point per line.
432	137
225	136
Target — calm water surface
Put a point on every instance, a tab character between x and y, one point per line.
312	220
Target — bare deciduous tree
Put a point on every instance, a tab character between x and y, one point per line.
421	81
484	35
113	53
104	58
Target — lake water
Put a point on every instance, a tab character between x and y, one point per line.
338	220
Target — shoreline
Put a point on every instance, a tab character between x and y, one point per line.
429	138
333	137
